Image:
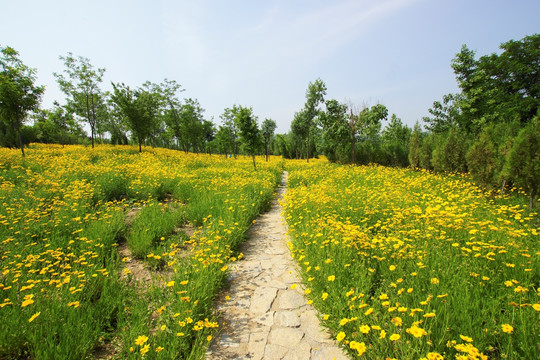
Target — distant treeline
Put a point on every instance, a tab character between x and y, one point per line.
490	129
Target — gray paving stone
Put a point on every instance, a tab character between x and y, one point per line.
283	336
262	299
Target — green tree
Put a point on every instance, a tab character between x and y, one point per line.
482	161
523	161
18	93
139	108
415	147
443	115
314	96
335	128
268	127
395	137
230	129
249	131
80	83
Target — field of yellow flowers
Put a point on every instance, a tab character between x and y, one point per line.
66	288
413	265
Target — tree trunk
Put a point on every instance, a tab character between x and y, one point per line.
531	199
502	186
140	146
307	147
89	119
21	145
266	146
254	166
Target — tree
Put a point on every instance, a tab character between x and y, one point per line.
335	128
249	131
443	115
18	93
523	161
396	138
268	127
230	129
415	146
81	88
482	161
139	107
314	96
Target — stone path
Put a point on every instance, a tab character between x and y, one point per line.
265	318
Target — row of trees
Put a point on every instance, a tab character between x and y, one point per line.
344	132
152	113
490	129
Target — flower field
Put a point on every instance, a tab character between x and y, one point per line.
412	265
108	252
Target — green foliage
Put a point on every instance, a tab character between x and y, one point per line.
154	222
18	93
249	131
139	107
482	161
80	83
523	161
415	146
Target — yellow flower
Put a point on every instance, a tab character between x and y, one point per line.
394	337
434	281
368	311
27	302
141	340
507	328
225	267
331	278
359	347
209	338
364	329
429	315
397	321
185	282
536	307
340	336
145	349
180	334
382	335
75	304
170	284
33	317
159	349
466	338
293	286
392	267
416	331
324	296
434	356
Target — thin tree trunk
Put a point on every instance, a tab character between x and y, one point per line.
140	146
502	186
254	166
307	147
89	120
266	146
21	145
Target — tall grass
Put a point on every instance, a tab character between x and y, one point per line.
67	292
412	265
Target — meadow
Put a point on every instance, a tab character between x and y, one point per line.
409	264
110	253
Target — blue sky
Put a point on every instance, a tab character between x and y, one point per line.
264	54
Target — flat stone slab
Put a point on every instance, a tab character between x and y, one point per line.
287	319
262	300
290	299
286	337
